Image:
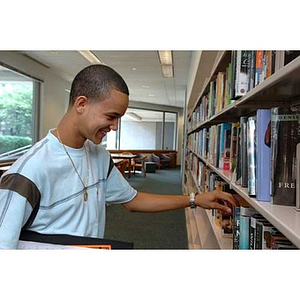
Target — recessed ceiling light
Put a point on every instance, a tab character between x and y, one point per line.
91	57
151	95
145	86
134	69
166	61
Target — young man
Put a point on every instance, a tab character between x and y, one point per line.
63	183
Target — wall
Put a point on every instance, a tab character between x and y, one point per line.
53	95
132	133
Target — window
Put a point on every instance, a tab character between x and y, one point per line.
144	129
18	112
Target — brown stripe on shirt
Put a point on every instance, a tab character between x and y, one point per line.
22	185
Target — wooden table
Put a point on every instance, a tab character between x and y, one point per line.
129	157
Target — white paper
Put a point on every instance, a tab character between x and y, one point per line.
24	245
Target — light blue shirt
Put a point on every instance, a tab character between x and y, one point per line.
62	207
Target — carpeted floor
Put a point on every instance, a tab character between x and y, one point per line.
163	230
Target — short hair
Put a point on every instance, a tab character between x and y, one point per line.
96	82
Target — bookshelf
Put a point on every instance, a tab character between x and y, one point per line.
282	86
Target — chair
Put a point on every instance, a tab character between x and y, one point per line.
156	160
139	162
132	162
164	160
122	166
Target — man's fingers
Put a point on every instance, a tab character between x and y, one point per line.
224	208
229	198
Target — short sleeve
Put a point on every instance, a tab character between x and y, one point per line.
118	190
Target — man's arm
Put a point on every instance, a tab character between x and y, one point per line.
146	202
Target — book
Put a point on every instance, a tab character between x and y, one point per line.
298	177
263	157
285	135
245	214
243	152
242	72
236	220
233	146
252	69
232	76
262	226
71	240
217	146
236	228
252	233
224	143
220	91
276	240
290	55
226	153
251	155
238	156
270	62
258	66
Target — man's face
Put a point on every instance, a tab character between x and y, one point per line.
103	116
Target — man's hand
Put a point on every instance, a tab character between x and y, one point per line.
218	200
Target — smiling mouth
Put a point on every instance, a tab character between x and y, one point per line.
103	133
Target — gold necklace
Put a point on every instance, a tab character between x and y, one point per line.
85	185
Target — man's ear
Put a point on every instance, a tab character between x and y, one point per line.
81	103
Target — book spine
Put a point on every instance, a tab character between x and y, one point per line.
224	135
242	73
244	231
252	233
285	135
251	70
269	63
258	236
233	73
258	67
236	228
217	146
253	220
251	155
266	228
243	153
298	176
263	119
238	156
226	153
233	147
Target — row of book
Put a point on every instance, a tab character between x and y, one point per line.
247	69
251	231
248	229
260	151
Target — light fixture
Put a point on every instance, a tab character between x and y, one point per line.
91	57
167	71
165	57
133	116
166	61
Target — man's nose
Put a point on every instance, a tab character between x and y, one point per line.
114	125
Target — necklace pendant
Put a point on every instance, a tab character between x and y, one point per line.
85	195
